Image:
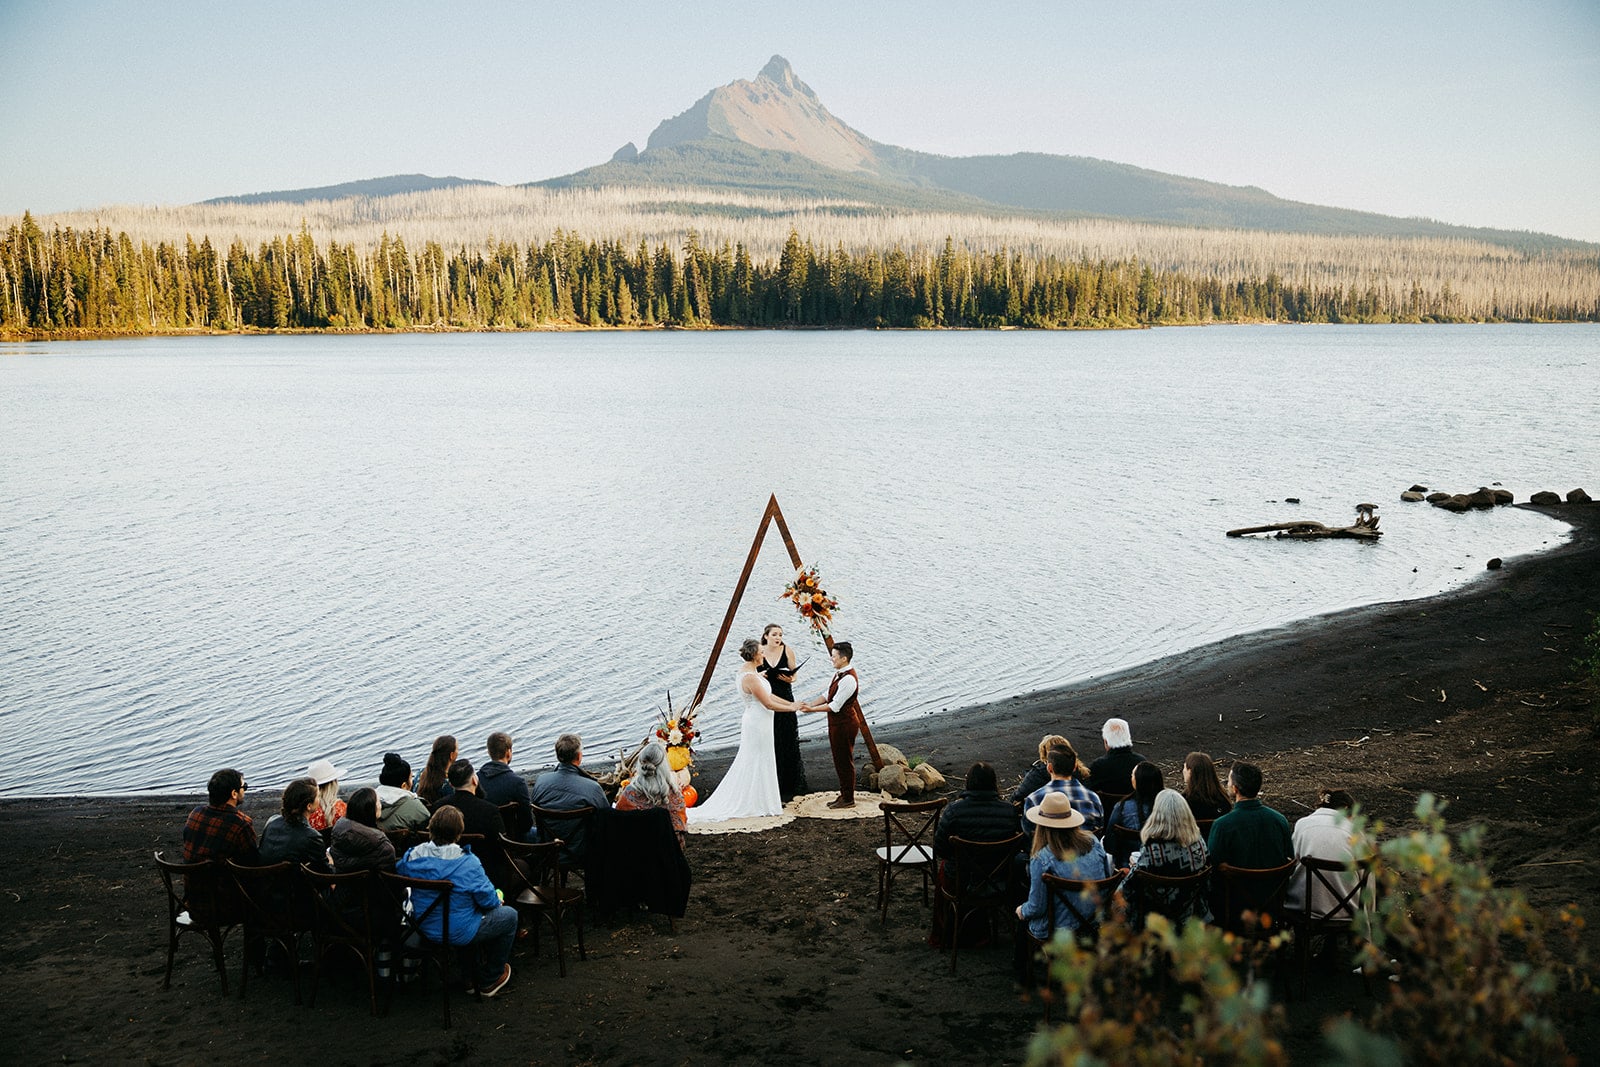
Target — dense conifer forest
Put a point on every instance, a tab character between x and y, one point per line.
77	282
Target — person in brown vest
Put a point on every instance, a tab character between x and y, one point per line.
843	705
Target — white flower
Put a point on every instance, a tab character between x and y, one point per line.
675	736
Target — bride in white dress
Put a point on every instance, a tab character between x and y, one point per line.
750	788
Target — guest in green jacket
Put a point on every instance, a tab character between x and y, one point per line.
1251	835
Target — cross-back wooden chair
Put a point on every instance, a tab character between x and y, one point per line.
1259	891
517	818
404	839
344	914
555	823
1087	901
907	845
1178	897
1107	802
1330	908
274	914
1122	842
985	883
199	900
429	897
535	869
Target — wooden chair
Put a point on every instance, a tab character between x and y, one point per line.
518	819
1205	828
1260	891
203	905
404	839
1088	902
1122	842
342	916
536	870
985	882
1107	802
1250	904
273	914
907	844
411	935
1338	919
1178	897
553	824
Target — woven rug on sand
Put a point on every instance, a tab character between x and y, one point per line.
810	806
815	806
741	826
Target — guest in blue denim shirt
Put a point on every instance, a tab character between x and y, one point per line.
1064	848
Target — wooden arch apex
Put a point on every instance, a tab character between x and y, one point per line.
768	517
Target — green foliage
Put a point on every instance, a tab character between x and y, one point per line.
1588	661
1471	979
1158	997
65	280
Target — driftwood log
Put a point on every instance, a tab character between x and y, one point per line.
1365	528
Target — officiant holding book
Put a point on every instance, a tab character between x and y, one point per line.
778	665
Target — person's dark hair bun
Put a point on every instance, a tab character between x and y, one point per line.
395	769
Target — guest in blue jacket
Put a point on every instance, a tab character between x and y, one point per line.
1062	847
477	917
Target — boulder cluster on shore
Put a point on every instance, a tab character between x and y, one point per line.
1485	497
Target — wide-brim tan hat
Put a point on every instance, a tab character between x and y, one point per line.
323	771
1056	810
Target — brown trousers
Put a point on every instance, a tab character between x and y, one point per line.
842	731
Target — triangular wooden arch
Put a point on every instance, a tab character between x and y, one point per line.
771	515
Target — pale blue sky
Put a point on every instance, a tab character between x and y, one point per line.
1469	112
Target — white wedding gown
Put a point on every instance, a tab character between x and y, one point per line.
750	788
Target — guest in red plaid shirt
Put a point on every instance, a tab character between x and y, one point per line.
219	830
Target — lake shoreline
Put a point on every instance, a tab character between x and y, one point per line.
782	956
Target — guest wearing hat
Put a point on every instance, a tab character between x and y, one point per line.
1064	848
400	808
329	809
480	817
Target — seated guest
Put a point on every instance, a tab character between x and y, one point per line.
218	829
399	807
1062	847
1325	834
1065	769
1109	773
289	836
567	787
1202	789
478	920
358	844
330	809
1170	846
480	817
432	787
500	785
1038	774
1251	835
978	814
653	786
1132	811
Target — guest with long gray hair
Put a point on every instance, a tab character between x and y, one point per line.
1170	846
653	786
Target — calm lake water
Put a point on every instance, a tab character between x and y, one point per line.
261	551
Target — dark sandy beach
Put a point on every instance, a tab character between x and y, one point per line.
1471	695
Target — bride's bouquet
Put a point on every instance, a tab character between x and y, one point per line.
816	607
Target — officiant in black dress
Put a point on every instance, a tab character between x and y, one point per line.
778	663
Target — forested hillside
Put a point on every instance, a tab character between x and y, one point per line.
66	282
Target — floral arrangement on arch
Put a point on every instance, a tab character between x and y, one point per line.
816	607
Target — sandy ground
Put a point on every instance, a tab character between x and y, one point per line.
1471	695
